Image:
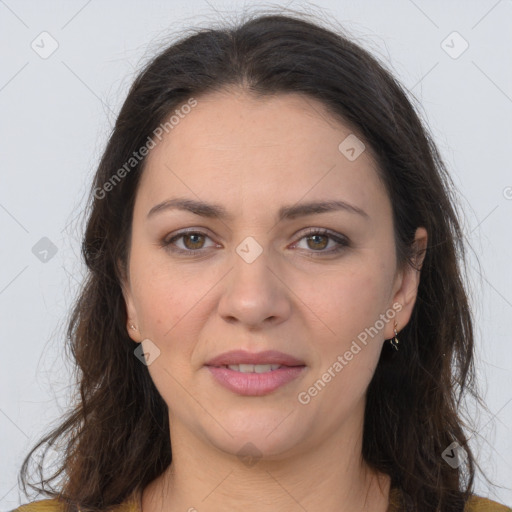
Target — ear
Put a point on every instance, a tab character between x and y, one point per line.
406	284
131	312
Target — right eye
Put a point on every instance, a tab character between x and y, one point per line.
192	240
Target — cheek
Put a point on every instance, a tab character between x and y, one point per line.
167	304
164	296
349	340
349	301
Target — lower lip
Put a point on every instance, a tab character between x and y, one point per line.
255	384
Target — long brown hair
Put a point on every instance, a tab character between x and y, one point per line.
115	438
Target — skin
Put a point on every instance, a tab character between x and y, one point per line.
252	156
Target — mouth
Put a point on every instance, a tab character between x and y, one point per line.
246	359
254	374
253	368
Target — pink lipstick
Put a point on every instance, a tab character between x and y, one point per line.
254	374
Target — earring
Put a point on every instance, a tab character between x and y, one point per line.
394	341
133	327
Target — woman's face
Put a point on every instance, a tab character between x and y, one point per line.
254	280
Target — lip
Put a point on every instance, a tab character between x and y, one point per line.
245	357
254	384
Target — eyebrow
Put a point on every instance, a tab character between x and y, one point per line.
216	211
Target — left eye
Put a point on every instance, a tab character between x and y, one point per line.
317	240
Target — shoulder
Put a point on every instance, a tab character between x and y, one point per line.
48	505
131	504
478	504
474	504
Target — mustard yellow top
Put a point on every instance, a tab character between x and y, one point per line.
133	504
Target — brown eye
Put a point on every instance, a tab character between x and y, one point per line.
317	242
189	243
195	240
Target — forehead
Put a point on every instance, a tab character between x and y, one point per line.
234	144
225	120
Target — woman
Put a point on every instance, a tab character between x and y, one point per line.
274	317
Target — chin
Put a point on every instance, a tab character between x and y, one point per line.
258	435
251	448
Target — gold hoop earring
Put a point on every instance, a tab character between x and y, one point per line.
394	341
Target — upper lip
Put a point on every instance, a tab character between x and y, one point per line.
245	357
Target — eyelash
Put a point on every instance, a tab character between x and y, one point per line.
341	240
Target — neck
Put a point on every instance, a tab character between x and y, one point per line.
330	476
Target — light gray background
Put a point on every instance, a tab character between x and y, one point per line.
55	117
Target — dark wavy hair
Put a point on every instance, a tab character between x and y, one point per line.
115	438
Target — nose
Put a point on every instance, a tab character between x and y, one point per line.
254	293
